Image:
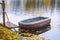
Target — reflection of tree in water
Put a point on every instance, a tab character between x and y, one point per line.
52	5
59	4
32	4
15	5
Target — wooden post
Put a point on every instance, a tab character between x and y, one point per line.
3	13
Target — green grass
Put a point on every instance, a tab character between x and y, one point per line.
6	34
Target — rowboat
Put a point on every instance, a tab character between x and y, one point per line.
33	23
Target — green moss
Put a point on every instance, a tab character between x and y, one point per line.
6	34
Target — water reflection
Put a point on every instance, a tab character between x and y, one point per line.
17	7
38	8
52	34
35	31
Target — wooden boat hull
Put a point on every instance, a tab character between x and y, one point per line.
34	24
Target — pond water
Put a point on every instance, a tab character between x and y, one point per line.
18	14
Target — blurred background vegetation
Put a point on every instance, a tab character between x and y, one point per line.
24	5
41	3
